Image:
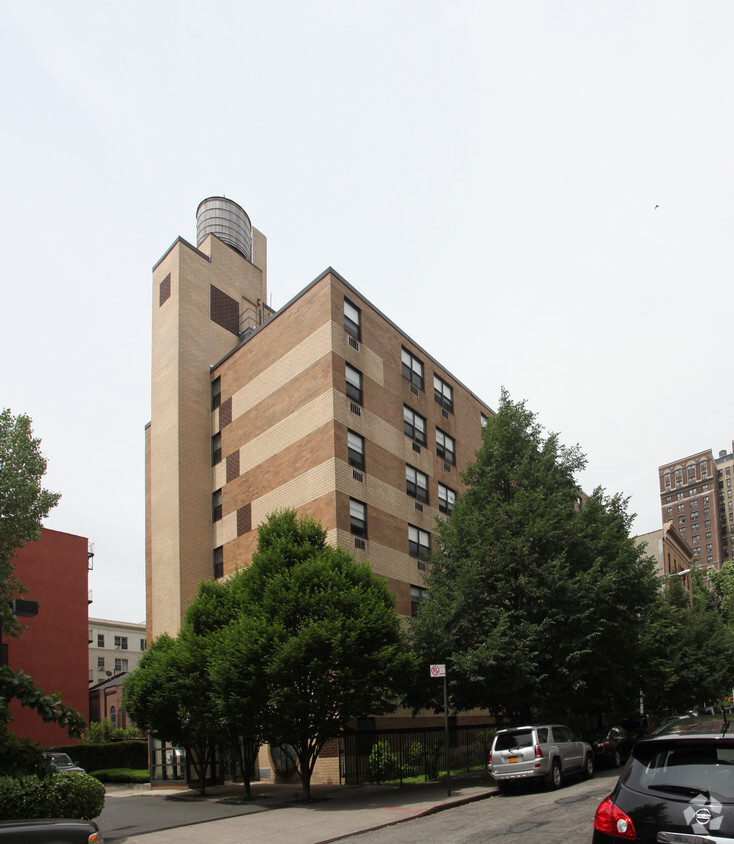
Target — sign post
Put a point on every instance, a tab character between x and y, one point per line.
440	671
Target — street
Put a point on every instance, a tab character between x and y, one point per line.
527	816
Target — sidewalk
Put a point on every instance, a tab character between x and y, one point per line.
275	813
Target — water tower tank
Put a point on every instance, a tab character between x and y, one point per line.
227	220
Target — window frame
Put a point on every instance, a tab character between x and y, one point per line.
357	462
446	502
218	562
217	505
416	549
410	429
354	392
354	329
416	378
357	523
440	391
447	454
413	486
120	643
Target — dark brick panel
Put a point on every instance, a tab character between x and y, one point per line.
224	310
233	466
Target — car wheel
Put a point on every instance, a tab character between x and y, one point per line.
617	758
556	775
589	766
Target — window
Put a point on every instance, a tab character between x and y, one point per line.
143	644
216	393
416	483
216	449
100	640
358	517
355	450
113	713
446	498
412	369
352	320
120	665
443	393
445	447
100	663
669	512
696	538
693	503
414	425
681	508
121	642
708	534
419	543
417	594
354	384
217	505
218	559
484	420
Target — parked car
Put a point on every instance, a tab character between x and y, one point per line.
639	726
62	762
54	830
611	746
547	752
676	787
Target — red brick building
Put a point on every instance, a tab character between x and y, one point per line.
54	647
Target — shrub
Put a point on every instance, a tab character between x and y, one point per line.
61	795
121	775
382	762
412	756
102	732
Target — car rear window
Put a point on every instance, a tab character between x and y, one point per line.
684	768
514	739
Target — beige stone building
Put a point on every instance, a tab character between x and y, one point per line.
325	406
674	556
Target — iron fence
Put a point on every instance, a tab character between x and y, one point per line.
379	756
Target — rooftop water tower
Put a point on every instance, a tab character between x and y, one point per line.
227	220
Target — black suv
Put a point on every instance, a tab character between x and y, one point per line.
677	787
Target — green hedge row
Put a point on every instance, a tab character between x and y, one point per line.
116	754
62	795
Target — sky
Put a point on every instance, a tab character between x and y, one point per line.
540	194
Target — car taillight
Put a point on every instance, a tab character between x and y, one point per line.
611	820
489	764
538	752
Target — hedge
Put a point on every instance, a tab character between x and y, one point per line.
116	754
61	795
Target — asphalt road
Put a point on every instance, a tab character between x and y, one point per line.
532	815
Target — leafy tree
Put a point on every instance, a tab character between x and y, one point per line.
722	581
530	594
333	649
19	756
169	694
690	649
23	504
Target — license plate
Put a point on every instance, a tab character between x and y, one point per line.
512	758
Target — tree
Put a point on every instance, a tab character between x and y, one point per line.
333	649
23	504
169	694
18	756
690	649
531	593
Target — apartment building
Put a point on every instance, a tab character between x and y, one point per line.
673	555
114	647
696	495
325	406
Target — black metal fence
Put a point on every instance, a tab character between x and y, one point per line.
378	756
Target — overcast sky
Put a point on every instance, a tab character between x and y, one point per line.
539	193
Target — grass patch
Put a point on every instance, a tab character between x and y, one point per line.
136	775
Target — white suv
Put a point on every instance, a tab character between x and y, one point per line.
548	752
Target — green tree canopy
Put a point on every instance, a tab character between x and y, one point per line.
23	504
288	651
531	593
